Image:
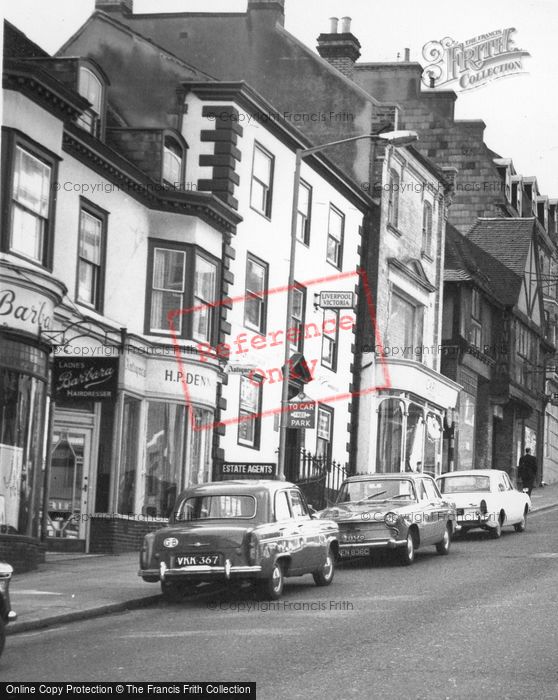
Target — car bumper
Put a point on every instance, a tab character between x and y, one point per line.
387	543
227	571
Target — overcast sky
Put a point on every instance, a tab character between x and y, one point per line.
518	110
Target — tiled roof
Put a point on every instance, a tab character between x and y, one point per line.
507	239
468	261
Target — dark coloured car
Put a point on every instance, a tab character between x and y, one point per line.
6	612
259	531
391	511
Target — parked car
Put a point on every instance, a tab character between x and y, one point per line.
258	531
6	612
391	511
485	498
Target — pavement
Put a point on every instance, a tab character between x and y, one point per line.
69	587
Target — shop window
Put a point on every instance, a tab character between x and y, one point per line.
255	302
324	433
405	327
249	426
22	410
165	469
415	438
433	445
330	338
427	229
335	233
304	213
262	181
90	87
129	455
173	159
91	256
393	198
466	434
297	318
184	284
200	446
390	436
29	226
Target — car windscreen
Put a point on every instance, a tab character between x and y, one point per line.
464	484
216	507
369	490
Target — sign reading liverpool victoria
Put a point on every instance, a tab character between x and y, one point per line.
87	379
337	300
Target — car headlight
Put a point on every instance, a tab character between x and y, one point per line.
391	519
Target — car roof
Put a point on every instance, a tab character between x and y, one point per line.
473	472
384	477
240	486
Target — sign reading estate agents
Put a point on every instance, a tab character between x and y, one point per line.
86	379
246	470
472	63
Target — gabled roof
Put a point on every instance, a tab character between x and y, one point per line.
466	262
504	246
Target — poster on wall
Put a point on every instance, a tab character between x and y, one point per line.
11	462
531	440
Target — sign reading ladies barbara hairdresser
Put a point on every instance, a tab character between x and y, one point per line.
85	379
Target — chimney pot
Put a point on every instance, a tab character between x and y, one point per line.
333	24
346	25
125	6
407	55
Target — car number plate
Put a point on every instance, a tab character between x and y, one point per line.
354	552
198	560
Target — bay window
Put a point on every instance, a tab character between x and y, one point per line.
183	283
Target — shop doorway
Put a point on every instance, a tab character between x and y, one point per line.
68	489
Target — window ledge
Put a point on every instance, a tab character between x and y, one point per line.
394	230
426	256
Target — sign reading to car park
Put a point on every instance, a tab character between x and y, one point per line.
301	413
337	300
246	470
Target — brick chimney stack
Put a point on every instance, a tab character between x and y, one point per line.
126	7
277	6
340	48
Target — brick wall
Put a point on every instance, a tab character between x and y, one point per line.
118	535
23	553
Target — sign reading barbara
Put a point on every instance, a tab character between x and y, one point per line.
301	413
337	300
87	379
247	470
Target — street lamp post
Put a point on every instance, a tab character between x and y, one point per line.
394	138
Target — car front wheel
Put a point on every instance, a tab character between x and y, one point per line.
407	553
443	547
271	588
324	576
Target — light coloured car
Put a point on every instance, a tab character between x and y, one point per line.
485	498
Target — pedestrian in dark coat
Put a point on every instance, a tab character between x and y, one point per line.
527	470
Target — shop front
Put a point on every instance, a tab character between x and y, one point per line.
27	302
411	416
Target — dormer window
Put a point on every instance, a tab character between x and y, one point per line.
90	87
173	158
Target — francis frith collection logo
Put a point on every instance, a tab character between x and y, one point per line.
472	63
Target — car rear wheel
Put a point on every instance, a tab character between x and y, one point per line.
271	588
522	524
443	547
496	531
173	592
406	554
2	635
324	576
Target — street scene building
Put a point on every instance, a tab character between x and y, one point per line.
199	282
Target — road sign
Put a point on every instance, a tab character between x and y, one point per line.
301	413
337	300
